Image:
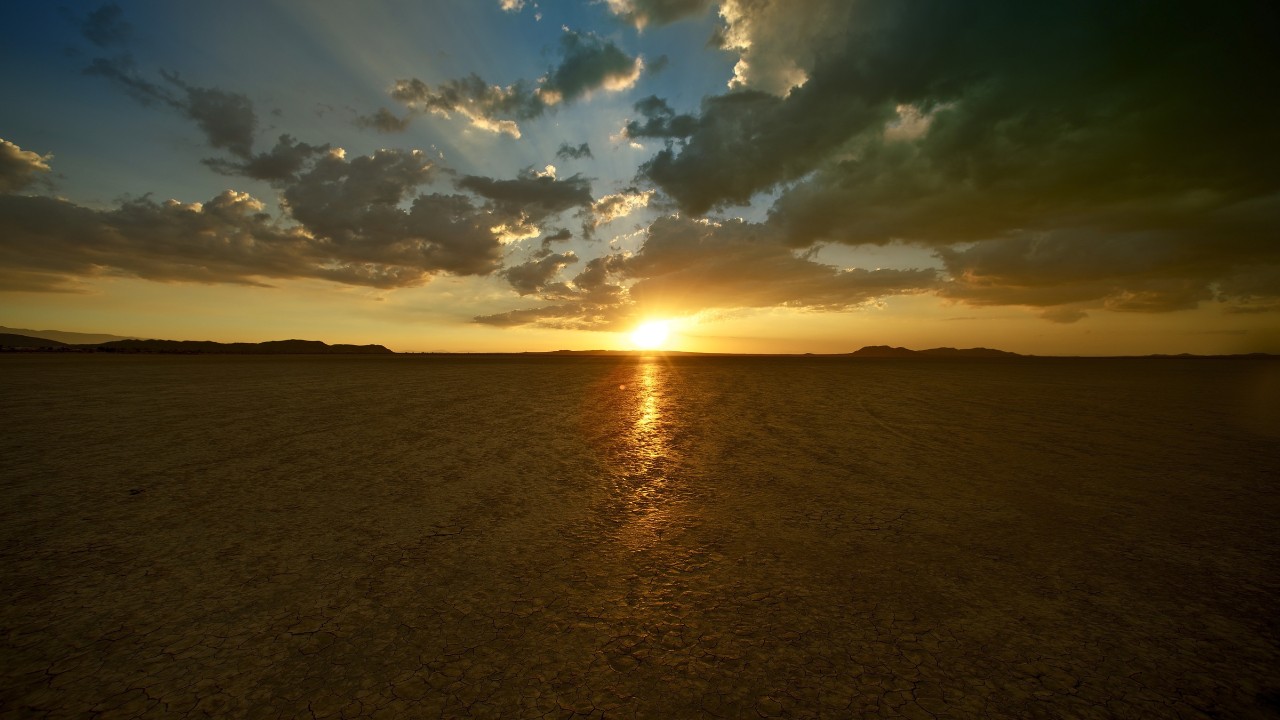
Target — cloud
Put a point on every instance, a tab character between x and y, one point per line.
619	205
123	71
535	276
511	5
358	201
689	265
779	41
48	242
686	266
567	316
1068	272
1017	80
642	13
280	164
1064	314
745	142
530	196
560	235
106	26
489	107
569	152
1000	134
660	121
227	119
588	63
20	168
383	121
359	221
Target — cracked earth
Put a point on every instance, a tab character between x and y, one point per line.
598	537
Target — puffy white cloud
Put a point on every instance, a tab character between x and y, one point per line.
619	205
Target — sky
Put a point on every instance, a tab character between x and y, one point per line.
767	176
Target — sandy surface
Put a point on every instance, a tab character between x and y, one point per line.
416	537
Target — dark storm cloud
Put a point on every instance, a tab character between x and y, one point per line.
1110	136
20	169
359	221
278	165
569	152
642	13
534	276
227	118
560	235
530	196
47	242
747	141
356	205
1094	85
1145	271
588	63
660	121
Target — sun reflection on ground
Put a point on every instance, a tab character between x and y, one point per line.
648	474
649	412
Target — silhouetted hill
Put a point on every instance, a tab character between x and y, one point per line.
68	338
884	351
26	341
208	347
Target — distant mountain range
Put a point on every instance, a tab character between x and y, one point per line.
66	338
11	340
884	351
201	347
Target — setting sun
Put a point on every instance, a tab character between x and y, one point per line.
650	335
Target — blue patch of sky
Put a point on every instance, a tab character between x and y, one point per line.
310	68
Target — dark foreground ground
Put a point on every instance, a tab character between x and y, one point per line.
613	537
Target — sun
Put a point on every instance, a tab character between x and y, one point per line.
651	335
